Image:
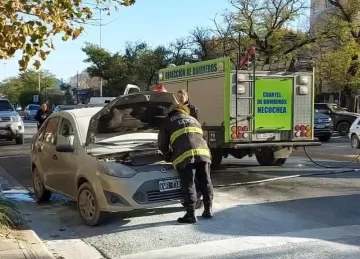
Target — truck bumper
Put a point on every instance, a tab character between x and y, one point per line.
277	144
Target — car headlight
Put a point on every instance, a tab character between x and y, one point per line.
330	119
117	170
15	118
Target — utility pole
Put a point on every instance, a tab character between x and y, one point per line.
77	87
101	80
39	81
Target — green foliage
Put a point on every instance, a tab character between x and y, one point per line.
21	89
138	65
44	20
266	24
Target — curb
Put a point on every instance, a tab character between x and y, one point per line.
337	157
29	242
31	245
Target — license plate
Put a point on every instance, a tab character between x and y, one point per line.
3	132
320	126
169	185
264	136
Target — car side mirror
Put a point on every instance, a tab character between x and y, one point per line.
64	148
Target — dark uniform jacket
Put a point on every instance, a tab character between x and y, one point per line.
181	138
40	113
194	112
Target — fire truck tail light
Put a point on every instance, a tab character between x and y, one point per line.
233	136
245	128
233	129
302	131
239	128
245	135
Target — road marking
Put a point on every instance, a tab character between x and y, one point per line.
235	245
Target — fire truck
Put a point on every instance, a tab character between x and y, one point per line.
248	112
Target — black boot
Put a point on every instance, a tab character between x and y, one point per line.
189	217
208	212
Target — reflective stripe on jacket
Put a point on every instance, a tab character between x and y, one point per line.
181	134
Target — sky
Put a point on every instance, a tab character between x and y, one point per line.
154	21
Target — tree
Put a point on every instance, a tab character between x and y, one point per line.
339	66
84	81
266	23
29	26
138	65
21	89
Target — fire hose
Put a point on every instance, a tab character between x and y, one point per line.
346	169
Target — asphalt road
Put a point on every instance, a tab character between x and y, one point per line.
314	216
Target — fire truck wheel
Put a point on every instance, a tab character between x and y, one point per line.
217	156
265	157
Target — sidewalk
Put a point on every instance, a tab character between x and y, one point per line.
22	243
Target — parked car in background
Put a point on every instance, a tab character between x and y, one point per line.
323	127
354	134
341	118
30	111
11	124
106	158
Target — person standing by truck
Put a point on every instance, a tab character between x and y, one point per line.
42	114
183	99
181	141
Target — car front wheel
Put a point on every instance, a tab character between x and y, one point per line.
355	142
40	191
20	140
325	138
88	206
343	128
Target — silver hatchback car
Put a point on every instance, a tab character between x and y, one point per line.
106	159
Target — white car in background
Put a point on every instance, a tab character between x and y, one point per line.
106	158
354	133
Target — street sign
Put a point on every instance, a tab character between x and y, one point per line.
35	98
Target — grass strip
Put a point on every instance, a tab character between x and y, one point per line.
8	214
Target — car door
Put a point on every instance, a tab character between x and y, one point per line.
45	148
63	164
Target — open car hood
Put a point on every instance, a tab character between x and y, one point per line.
129	121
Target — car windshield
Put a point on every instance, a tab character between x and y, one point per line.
6	106
336	108
34	107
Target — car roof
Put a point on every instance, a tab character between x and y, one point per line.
83	111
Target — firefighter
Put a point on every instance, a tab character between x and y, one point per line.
183	98
181	141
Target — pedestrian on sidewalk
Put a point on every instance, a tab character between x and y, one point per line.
42	115
181	141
